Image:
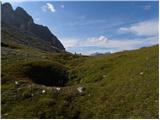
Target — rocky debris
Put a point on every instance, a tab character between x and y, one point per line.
20	85
16	83
58	88
43	91
80	89
141	73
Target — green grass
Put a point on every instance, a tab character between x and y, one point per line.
120	85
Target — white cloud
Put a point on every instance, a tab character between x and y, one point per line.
48	7
103	44
69	42
145	28
101	40
94	41
120	44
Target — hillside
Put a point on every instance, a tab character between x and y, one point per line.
119	85
19	27
40	79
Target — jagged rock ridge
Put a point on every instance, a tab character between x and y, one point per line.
20	20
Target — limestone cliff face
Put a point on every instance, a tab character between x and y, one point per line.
21	20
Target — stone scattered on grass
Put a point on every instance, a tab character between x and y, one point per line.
16	83
141	73
43	91
58	89
80	89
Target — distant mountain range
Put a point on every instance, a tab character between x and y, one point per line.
18	27
98	54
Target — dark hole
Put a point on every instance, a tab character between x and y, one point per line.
4	44
49	74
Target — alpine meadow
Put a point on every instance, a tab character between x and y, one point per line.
79	59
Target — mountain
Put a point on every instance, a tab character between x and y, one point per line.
38	82
19	23
99	54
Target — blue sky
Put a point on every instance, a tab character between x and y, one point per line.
87	27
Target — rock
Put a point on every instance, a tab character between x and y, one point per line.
141	73
43	91
16	83
80	89
58	89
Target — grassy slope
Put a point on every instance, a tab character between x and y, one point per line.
121	85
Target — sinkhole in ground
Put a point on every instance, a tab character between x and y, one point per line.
46	73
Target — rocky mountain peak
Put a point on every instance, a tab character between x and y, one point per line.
20	19
20	12
7	7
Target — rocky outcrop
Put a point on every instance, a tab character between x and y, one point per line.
21	20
